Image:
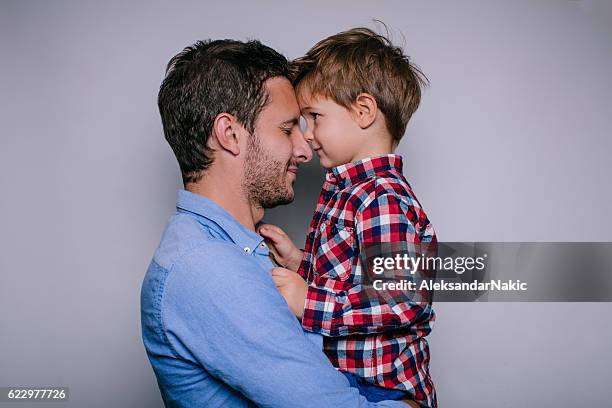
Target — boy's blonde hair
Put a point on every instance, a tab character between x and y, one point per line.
357	61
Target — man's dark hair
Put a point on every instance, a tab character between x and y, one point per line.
209	78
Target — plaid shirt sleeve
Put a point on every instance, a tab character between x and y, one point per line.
361	309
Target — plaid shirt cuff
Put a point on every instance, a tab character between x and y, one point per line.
319	310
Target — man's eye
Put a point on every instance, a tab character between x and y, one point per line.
287	132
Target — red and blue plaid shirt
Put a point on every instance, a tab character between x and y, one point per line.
377	337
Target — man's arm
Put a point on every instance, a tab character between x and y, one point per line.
362	309
222	310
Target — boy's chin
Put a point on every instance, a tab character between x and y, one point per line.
325	163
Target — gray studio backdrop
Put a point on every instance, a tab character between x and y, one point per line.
511	143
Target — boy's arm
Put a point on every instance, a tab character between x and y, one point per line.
280	245
362	309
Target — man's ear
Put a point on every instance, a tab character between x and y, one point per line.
226	132
365	110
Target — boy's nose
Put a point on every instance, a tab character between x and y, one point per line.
308	135
301	150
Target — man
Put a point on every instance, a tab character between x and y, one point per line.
216	330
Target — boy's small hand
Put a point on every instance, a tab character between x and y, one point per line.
284	250
292	287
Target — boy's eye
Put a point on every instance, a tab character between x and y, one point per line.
314	115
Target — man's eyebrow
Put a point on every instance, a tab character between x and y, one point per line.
293	121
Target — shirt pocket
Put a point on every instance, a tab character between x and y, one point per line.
335	252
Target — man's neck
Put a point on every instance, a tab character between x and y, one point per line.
230	199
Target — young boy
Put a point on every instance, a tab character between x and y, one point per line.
357	92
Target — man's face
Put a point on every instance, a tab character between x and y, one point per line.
275	149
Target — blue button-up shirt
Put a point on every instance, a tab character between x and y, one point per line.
216	330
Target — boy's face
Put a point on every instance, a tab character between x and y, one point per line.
330	129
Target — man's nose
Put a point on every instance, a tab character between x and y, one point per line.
301	150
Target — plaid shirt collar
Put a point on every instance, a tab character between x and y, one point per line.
352	173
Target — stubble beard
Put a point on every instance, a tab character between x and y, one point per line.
265	178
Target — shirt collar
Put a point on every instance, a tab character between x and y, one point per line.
211	211
352	173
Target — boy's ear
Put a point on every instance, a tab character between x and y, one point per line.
226	133
365	110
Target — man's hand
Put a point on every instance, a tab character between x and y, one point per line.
284	250
292	287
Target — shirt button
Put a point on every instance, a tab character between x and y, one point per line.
263	245
247	250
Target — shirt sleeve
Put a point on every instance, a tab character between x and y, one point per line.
222	311
362	309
